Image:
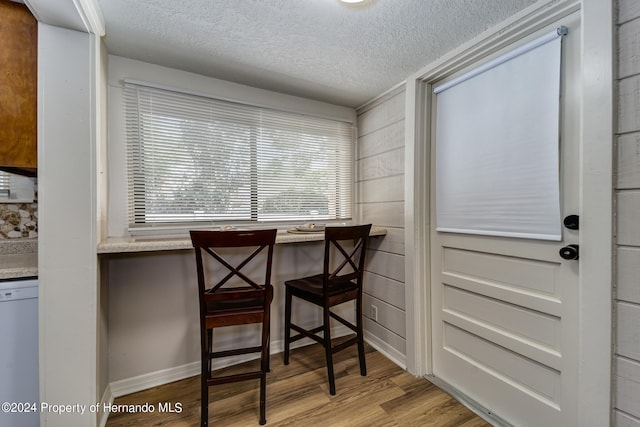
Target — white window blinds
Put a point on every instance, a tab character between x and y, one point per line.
497	153
4	185
194	158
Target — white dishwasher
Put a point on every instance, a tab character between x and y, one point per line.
19	353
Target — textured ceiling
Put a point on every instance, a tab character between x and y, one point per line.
319	49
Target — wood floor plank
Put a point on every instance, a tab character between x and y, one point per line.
426	405
298	395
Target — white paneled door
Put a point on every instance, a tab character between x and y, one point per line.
505	309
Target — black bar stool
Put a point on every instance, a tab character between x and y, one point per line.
329	289
238	305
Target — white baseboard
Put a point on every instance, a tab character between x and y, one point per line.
386	350
153	379
107	400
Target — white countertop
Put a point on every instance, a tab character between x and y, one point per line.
13	266
114	245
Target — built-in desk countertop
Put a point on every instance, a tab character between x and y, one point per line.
115	245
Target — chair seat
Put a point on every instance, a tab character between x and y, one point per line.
313	285
230	306
311	288
235	300
234	312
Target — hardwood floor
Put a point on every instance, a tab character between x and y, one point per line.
298	395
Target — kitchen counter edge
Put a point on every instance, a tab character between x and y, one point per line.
115	245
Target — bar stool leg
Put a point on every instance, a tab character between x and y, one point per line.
328	350
360	332
204	375
287	324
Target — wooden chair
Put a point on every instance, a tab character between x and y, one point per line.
332	287
227	306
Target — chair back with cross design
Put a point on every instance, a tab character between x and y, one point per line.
225	303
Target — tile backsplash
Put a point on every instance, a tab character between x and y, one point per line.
19	217
18	221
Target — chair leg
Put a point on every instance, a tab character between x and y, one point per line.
264	365
328	350
204	398
263	386
204	375
287	324
210	347
263	398
360	333
268	352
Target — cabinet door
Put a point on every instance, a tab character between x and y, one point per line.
18	86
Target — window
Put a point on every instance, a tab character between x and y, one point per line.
16	189
4	185
193	158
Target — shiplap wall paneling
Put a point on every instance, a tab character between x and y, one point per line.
623	420
385	289
387	265
628	226
628	10
628	49
382	114
628	331
395	342
628	279
390	215
626	385
388	315
628	167
392	242
380	140
380	200
389	164
628	105
382	190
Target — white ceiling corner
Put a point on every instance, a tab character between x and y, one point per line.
319	49
91	15
79	15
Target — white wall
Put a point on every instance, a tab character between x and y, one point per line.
380	200
627	182
67	261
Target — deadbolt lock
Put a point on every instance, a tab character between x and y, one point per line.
570	252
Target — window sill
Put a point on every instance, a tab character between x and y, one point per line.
15	201
115	245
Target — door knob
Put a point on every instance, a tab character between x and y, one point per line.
572	222
570	252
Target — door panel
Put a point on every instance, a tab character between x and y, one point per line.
505	310
539	330
524	374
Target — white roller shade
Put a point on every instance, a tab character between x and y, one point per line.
497	151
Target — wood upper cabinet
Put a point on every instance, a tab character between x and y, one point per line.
18	86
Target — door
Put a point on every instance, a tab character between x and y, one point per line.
505	309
